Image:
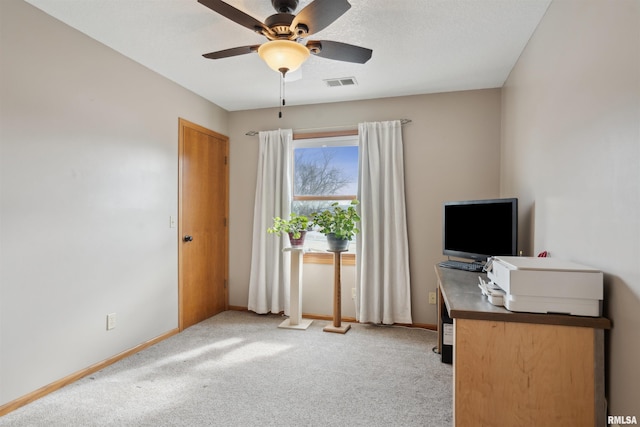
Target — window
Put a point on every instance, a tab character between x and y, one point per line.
325	170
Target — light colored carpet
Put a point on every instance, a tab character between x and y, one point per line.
239	369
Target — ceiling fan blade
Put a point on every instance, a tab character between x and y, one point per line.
339	51
318	15
234	14
234	51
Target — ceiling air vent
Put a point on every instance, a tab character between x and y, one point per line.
344	81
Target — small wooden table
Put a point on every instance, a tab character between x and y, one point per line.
337	297
295	320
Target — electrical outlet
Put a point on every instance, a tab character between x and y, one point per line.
111	321
432	297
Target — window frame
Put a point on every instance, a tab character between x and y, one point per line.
319	257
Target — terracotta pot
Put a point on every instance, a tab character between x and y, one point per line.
297	243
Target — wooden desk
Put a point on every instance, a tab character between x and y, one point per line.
521	369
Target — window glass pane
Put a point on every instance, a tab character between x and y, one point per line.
325	171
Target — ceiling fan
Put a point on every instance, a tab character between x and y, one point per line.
287	48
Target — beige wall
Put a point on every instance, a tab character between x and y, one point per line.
451	151
89	178
571	153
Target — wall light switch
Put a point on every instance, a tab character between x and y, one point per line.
111	321
172	221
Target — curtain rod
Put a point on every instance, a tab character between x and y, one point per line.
254	132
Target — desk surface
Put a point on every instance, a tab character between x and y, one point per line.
464	300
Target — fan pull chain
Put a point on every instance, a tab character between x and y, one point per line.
281	89
282	94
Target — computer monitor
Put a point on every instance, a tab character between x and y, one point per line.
479	229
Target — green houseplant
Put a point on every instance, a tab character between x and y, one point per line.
296	227
338	224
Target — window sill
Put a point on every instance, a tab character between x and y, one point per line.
327	258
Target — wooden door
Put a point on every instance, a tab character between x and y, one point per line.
203	208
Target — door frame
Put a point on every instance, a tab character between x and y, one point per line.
182	124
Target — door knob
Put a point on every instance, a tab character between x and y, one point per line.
187	238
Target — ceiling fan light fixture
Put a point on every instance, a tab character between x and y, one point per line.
283	55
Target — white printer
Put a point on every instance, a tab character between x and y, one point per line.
547	285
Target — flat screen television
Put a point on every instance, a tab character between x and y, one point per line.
479	229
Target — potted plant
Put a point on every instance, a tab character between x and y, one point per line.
296	227
338	224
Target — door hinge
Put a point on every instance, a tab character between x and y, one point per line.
225	160
225	222
225	283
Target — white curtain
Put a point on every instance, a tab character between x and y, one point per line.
383	292
270	270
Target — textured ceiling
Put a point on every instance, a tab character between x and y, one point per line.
419	46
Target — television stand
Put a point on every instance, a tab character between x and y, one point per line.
462	265
524	369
